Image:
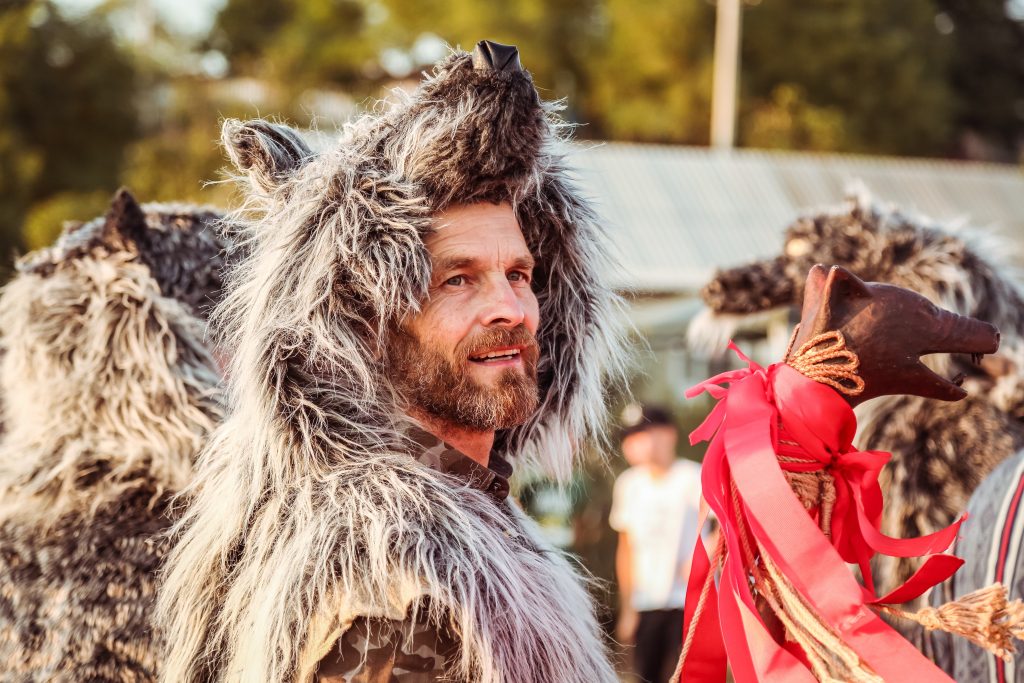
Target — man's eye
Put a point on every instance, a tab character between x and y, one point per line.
518	276
455	281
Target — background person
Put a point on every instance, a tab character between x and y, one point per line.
655	509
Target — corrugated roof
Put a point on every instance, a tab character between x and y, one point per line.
675	213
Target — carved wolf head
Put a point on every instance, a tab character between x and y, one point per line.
890	328
941	450
881	244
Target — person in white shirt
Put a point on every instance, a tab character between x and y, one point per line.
655	509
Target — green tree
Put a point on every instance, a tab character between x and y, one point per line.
652	80
987	71
67	111
299	44
883	64
787	121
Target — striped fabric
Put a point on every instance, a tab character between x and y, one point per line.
990	543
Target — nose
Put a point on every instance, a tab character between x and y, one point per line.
490	56
503	307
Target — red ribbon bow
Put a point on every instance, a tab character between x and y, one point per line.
765	413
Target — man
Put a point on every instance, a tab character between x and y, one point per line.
655	509
419	307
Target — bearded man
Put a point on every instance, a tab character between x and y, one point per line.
418	308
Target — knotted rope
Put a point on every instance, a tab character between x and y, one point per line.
986	617
826	360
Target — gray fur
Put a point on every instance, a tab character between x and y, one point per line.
942	451
109	391
307	504
994	514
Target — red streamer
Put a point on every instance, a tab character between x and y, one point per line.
765	413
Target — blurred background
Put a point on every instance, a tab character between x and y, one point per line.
704	129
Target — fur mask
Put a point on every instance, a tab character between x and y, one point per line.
106	378
337	244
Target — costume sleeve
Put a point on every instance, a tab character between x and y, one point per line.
376	649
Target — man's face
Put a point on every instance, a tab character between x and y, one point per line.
470	356
654	446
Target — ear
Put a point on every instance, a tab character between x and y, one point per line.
840	288
825	292
815	298
267	152
125	223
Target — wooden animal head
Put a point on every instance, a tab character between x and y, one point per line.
890	329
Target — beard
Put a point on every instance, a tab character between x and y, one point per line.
440	385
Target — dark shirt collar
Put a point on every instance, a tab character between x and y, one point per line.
440	456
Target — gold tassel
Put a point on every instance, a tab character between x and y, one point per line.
985	617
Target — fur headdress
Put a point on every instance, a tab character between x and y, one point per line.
307	496
108	392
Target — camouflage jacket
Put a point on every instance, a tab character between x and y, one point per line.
413	650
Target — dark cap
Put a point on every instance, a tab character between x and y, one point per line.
637	418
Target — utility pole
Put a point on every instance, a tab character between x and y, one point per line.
726	74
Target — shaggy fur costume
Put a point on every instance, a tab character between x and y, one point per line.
942	451
308	509
108	393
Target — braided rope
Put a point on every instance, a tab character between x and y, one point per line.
825	359
814	489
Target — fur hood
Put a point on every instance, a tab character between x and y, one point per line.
108	392
106	379
307	496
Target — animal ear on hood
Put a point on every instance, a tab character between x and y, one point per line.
827	292
125	222
267	152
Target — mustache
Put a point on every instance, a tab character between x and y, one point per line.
502	336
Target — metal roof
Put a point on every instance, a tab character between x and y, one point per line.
675	213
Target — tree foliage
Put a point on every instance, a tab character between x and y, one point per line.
870	76
987	72
67	110
81	111
882	64
305	43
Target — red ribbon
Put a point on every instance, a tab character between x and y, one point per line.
765	413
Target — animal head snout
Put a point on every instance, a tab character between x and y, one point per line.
963	334
491	56
984	335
